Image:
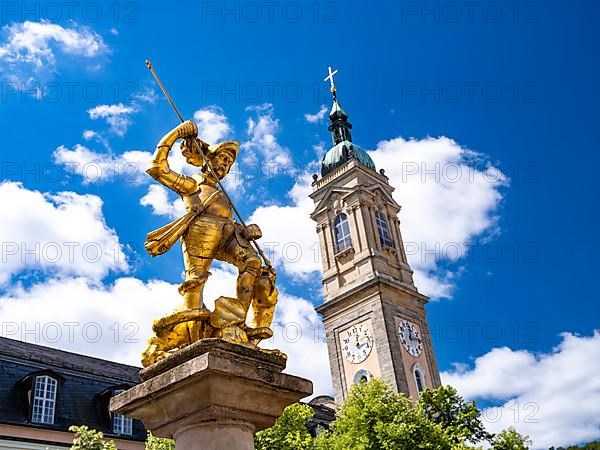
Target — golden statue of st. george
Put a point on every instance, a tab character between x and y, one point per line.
208	231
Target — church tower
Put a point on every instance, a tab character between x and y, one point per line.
374	316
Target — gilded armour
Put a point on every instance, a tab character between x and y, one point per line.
207	232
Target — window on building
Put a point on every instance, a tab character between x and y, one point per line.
361	376
419	378
383	228
44	399
122	424
341	227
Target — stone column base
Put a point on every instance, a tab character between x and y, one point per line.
212	395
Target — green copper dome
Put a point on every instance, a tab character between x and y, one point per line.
342	152
343	148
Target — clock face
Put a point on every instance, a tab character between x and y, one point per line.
411	338
357	343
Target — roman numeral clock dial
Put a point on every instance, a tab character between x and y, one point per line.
410	338
358	343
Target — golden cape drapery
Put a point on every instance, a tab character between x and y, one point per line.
161	240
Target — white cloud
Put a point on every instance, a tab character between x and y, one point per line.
111	322
30	47
117	116
552	397
147	95
106	111
262	131
444	213
318	116
129	167
299	333
320	151
62	234
289	236
234	181
448	198
89	134
158	199
213	125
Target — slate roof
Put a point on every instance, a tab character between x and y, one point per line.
86	384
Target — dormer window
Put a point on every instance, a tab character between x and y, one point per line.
44	399
343	240
383	228
121	424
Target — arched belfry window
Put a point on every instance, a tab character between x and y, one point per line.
44	399
341	228
360	376
383	228
419	378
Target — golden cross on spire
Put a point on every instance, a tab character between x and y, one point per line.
330	78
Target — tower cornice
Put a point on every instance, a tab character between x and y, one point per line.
345	171
378	279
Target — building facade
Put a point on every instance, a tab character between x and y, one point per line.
374	316
43	391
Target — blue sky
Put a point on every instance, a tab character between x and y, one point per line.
505	91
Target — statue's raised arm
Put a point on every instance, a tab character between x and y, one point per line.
159	168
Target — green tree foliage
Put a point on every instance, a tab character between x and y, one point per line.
156	443
460	419
374	417
86	439
509	439
289	431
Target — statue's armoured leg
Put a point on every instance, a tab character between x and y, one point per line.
230	314
245	282
263	307
199	245
191	289
264	299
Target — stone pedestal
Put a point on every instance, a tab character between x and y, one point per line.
212	395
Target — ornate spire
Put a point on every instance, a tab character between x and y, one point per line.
339	127
343	149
